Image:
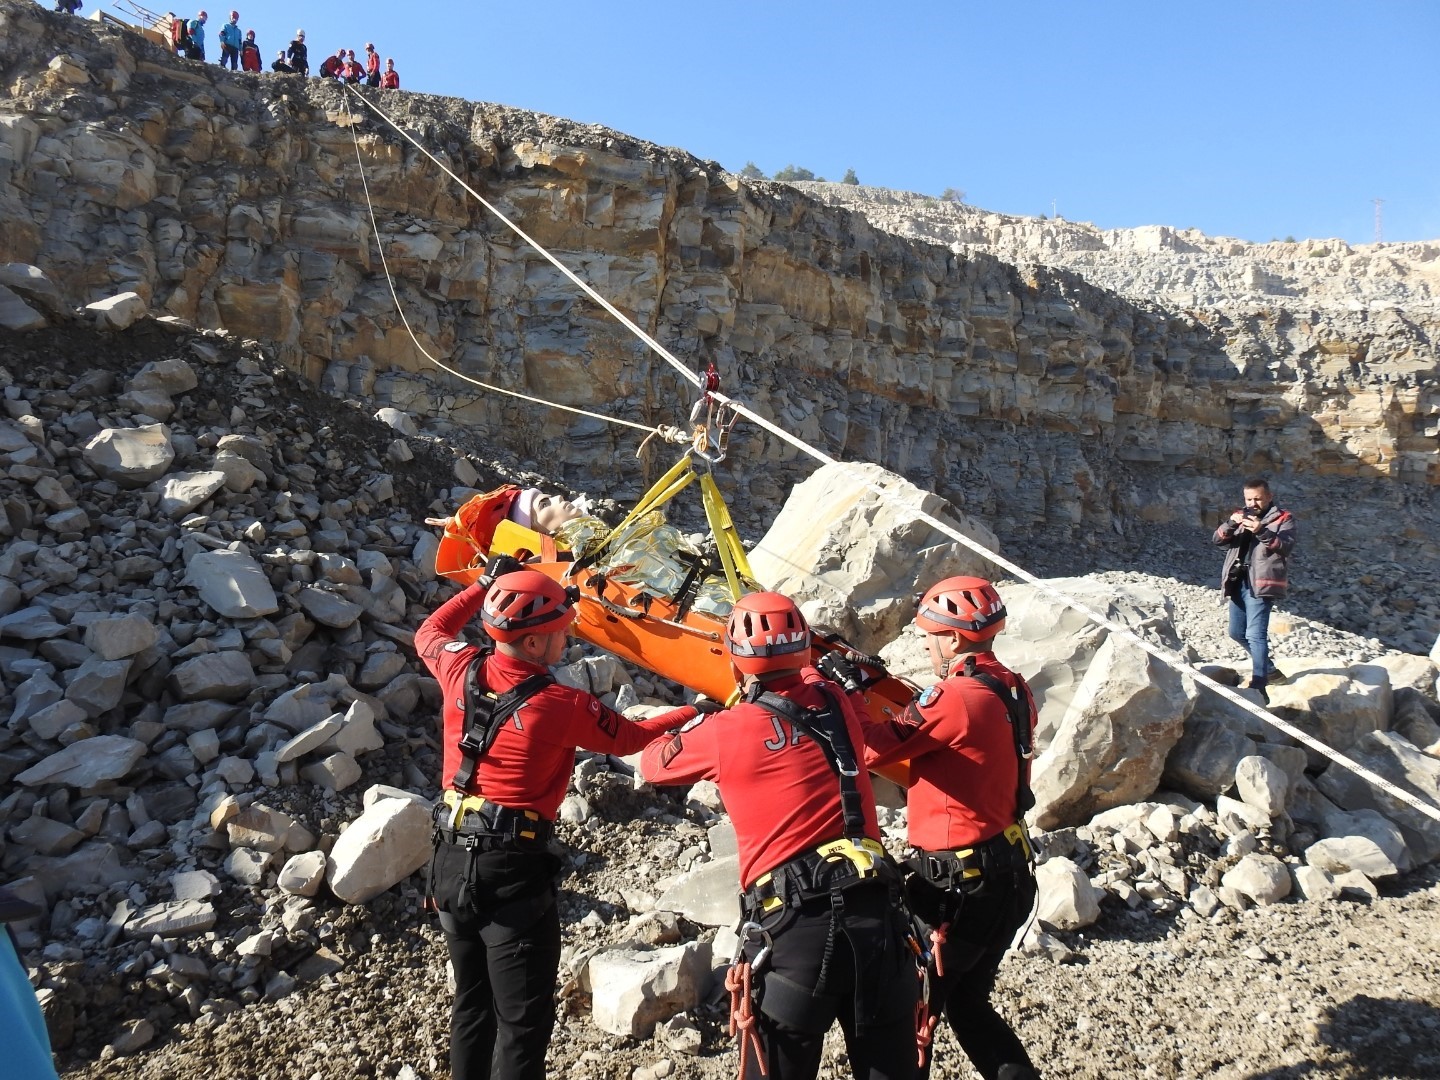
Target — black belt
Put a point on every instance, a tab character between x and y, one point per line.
488	820
966	868
831	866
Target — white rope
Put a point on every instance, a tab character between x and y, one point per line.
584	286
1162	654
665	431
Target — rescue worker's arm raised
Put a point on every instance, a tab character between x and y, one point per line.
438	637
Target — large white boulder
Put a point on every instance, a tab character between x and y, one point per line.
1394	759
383	846
1262	878
1333	702
708	895
853	560
1111	745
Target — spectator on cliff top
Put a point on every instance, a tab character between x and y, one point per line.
354	73
280	65
372	65
391	79
250	53
333	67
69	7
230	42
299	55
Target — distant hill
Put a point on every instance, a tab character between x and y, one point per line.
1175	267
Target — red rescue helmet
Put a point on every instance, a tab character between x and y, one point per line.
766	632
968	605
526	602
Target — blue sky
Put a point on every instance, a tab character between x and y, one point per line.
1259	119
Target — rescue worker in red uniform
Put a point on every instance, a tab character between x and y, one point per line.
968	740
822	932
510	735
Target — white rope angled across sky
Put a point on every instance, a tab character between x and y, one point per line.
1161	653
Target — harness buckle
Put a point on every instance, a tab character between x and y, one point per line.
863	854
1019	837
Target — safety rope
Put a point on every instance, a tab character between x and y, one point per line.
742	1015
659	349
1161	653
665	432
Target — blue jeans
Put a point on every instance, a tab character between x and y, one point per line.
1250	627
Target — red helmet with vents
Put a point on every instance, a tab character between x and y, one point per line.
968	605
766	632
526	602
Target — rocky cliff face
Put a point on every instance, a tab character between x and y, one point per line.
1027	395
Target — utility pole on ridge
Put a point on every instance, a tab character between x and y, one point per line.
1379	230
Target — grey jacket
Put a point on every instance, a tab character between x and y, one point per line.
1265	554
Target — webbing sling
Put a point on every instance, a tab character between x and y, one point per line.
486	713
827	727
1017	710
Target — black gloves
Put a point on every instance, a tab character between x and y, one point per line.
500	565
842	667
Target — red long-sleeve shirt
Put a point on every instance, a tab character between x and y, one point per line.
529	764
781	793
963	765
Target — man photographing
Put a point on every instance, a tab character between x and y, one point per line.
1259	538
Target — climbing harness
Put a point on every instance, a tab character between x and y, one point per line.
1017	711
486	713
718	398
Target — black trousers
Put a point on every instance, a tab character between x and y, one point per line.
827	965
502	926
231	56
982	925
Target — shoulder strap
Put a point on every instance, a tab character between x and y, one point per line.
827	728
486	713
1017	711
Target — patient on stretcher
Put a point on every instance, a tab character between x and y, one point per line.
650	554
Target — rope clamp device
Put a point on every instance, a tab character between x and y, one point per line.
720	418
863	854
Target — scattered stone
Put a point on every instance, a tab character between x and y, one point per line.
1067	899
634	989
130	457
1262	878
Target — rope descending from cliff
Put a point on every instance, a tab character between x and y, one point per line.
1164	655
659	349
665	432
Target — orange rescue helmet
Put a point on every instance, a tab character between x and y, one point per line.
970	606
766	632
526	602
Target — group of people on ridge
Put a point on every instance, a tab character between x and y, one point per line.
832	927
240	52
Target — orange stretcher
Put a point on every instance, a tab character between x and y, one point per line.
658	633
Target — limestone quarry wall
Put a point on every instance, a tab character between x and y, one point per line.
1029	397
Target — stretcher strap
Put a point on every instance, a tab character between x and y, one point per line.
727	540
